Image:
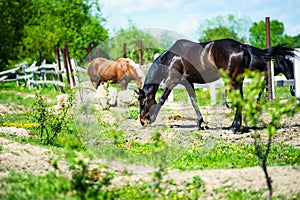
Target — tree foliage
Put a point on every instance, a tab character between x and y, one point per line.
34	28
296	41
224	27
13	16
277	34
130	36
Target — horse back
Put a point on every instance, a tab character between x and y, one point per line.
203	60
98	65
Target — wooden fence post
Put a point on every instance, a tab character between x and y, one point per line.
59	68
71	68
66	66
90	51
124	50
98	51
270	71
140	46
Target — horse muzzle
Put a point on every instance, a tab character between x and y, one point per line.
144	120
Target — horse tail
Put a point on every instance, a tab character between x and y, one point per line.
278	51
281	50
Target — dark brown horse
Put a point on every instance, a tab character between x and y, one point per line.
122	71
187	62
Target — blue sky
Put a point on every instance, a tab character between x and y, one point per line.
185	16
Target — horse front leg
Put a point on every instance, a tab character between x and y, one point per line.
123	84
237	122
191	91
155	109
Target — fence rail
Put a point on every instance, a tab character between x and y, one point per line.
34	75
279	81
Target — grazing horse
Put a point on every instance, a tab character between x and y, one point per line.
187	62
122	71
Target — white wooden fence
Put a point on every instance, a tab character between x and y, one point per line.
34	75
44	74
279	81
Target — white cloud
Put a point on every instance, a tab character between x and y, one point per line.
292	30
110	4
131	6
188	25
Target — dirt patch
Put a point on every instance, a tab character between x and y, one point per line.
13	131
38	160
179	119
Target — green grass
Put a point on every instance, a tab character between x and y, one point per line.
111	142
92	186
47	90
224	155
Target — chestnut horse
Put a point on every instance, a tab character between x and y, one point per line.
187	62
121	71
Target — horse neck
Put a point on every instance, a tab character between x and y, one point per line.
156	73
134	76
150	89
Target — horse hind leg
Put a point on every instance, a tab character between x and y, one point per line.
191	91
237	122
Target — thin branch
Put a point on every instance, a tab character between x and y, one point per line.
264	158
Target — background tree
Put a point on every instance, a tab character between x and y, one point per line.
13	16
296	41
130	36
224	27
277	36
32	29
59	22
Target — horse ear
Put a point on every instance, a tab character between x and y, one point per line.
140	91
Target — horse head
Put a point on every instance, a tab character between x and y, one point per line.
147	106
133	71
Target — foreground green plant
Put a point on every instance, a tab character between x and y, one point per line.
50	122
267	114
86	182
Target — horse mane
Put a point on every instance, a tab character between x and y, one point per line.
131	62
136	67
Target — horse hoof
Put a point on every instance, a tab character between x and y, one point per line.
203	127
199	125
234	129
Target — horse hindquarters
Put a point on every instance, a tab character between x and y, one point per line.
238	64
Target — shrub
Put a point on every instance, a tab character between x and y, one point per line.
50	121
